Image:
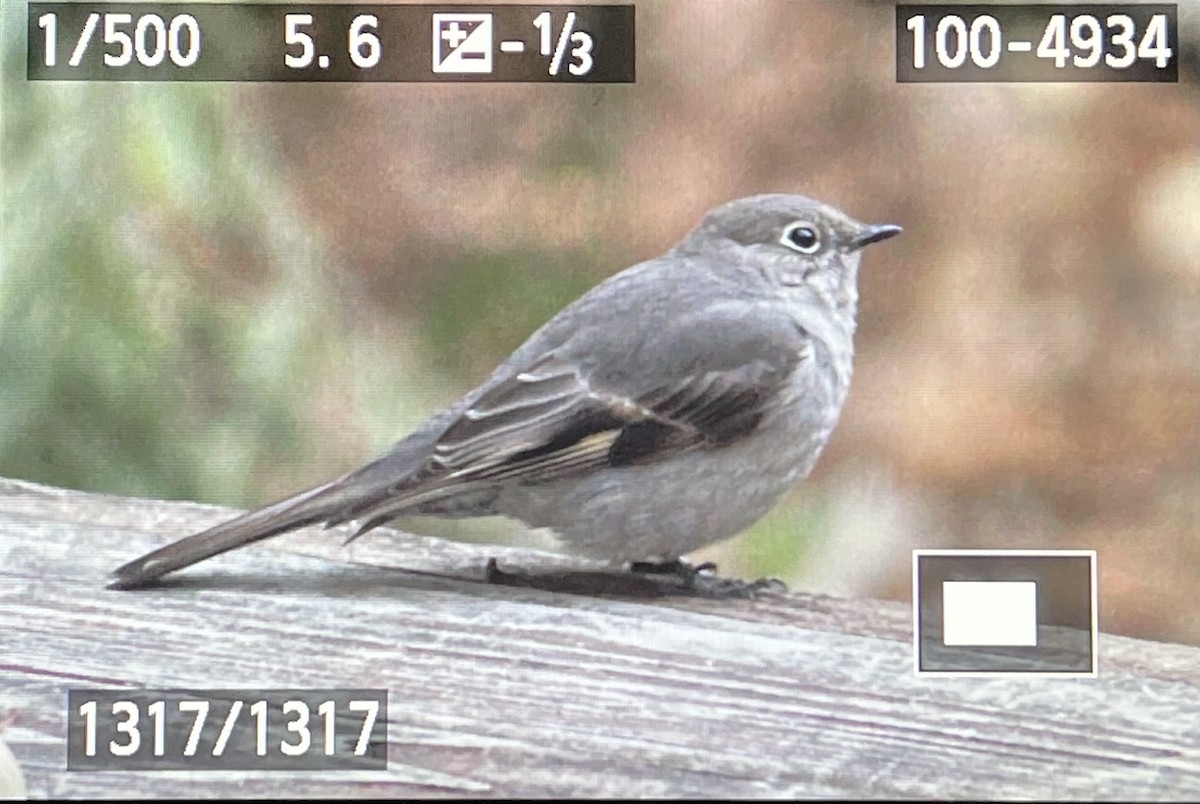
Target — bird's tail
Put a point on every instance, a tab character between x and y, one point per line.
306	508
390	481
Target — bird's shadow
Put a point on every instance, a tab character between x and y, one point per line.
390	582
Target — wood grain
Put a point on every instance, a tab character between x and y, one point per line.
506	691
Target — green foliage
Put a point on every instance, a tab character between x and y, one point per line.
776	545
129	365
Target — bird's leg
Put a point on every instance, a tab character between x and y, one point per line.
493	574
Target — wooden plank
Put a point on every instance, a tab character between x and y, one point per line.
503	691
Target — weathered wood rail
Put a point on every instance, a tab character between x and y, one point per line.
507	691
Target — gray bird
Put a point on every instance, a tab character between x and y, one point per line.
668	408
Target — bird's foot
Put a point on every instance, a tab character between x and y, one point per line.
726	588
677	567
646	579
701	580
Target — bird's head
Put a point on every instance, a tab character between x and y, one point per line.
794	242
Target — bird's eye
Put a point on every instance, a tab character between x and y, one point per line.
802	237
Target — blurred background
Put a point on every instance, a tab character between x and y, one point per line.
228	292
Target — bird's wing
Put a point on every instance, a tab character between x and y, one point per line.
621	398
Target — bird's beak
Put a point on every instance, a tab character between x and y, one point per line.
873	234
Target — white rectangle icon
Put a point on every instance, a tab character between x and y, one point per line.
1047	631
989	613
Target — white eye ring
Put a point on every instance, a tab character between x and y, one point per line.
801	236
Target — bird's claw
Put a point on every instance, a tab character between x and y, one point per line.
702	581
726	588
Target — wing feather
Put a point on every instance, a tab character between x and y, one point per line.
559	415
